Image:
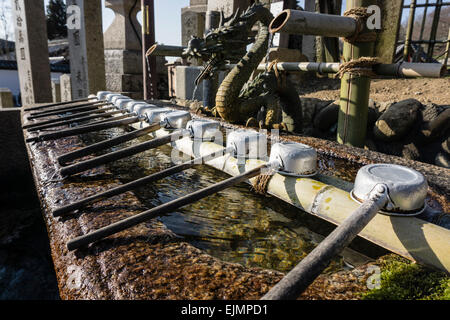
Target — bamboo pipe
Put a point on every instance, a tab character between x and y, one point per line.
165	51
162	209
120	154
137	183
411	70
75	120
68	157
409	30
299	278
77	109
309	23
57	104
63	118
66	108
355	90
401	70
84	129
413	238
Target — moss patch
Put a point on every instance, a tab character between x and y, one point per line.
404	280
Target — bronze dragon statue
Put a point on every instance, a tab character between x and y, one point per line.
267	98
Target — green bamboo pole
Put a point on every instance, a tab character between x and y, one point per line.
354	101
409	30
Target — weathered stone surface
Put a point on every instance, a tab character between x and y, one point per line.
228	6
87	61
32	51
66	87
446	146
184	83
123	62
6	98
192	24
56	91
120	34
442	160
124	82
395	123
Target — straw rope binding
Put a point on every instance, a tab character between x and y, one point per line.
361	15
361	67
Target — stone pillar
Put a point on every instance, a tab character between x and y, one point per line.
228	6
87	62
193	23
123	56
32	51
56	91
66	87
6	98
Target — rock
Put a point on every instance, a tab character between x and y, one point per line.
430	112
440	125
327	117
383	106
442	160
370	145
411	152
396	122
446	146
372	117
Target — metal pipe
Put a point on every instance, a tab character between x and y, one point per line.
137	183
75	120
68	157
165	51
120	154
123	116
57	104
66	108
162	209
309	23
77	109
63	118
299	278
84	129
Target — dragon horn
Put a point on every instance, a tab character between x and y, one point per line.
235	16
222	19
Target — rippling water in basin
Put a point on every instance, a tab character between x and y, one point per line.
235	225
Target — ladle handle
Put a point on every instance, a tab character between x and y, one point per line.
162	209
116	155
299	278
65	158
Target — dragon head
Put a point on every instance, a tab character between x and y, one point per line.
225	44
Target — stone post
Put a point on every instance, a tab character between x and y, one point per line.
85	34
32	51
56	91
228	6
66	87
6	98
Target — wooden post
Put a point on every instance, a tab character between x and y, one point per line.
148	40
32	51
354	101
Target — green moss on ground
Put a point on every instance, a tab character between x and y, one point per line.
404	280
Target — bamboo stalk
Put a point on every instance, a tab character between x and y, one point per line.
409	30
68	157
434	28
354	101
162	209
309	23
165	51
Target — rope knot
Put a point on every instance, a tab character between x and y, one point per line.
361	15
361	67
